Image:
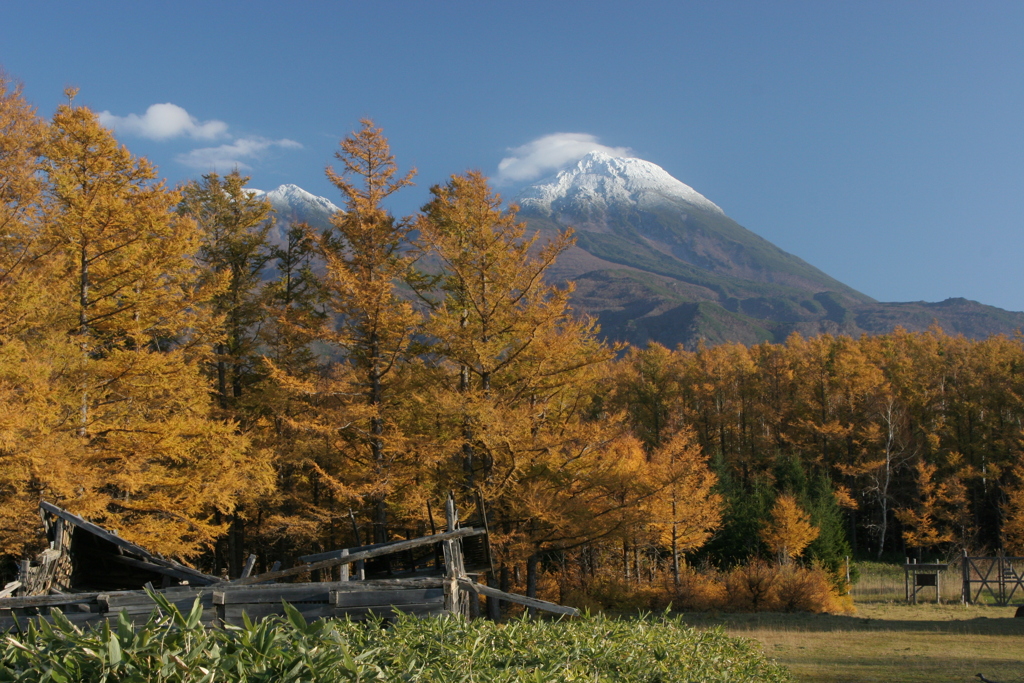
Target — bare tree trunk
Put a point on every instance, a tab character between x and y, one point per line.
532	564
236	546
83	322
380	503
493	604
675	544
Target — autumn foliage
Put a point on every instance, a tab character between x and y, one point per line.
789	530
167	370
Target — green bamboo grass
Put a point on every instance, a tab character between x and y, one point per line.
174	647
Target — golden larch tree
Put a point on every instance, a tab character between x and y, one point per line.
517	378
353	452
1013	516
790	530
233	226
685	511
143	454
234	249
30	403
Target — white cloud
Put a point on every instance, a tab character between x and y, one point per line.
164	121
548	153
234	154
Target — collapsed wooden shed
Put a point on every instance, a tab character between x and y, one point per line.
91	574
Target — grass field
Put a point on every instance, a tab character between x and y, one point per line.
888	640
881	582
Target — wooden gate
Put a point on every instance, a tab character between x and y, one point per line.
1001	576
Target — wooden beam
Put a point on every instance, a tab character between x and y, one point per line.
370	584
332	554
111	537
249	564
47	600
152	567
390	547
474	587
396	547
96	530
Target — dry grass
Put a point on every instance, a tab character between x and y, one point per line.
888	642
885	582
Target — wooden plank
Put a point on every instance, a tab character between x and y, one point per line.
358	586
10	624
451	517
134	598
302	592
474	587
332	554
156	568
423	609
46	600
79	619
380	549
80	608
414	582
172	592
137	619
233	613
380	598
249	564
96	530
397	546
385	584
195	577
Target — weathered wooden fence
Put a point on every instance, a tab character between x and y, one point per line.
1001	577
75	575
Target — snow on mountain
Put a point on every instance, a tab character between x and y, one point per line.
290	200
599	180
292	204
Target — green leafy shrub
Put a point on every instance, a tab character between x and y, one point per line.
173	647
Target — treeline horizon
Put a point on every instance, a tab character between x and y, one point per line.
168	372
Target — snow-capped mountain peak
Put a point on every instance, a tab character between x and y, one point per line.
292	204
599	179
292	198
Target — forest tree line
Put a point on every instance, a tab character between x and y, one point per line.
168	371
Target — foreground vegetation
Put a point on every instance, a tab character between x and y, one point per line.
173	647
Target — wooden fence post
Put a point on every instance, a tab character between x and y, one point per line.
965	575
25	577
449	512
250	563
1001	575
343	567
454	570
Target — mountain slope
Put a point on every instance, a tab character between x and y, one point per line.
632	212
656	260
292	204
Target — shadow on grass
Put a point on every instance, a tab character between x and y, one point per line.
1000	623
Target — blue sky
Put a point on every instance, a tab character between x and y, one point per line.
883	142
